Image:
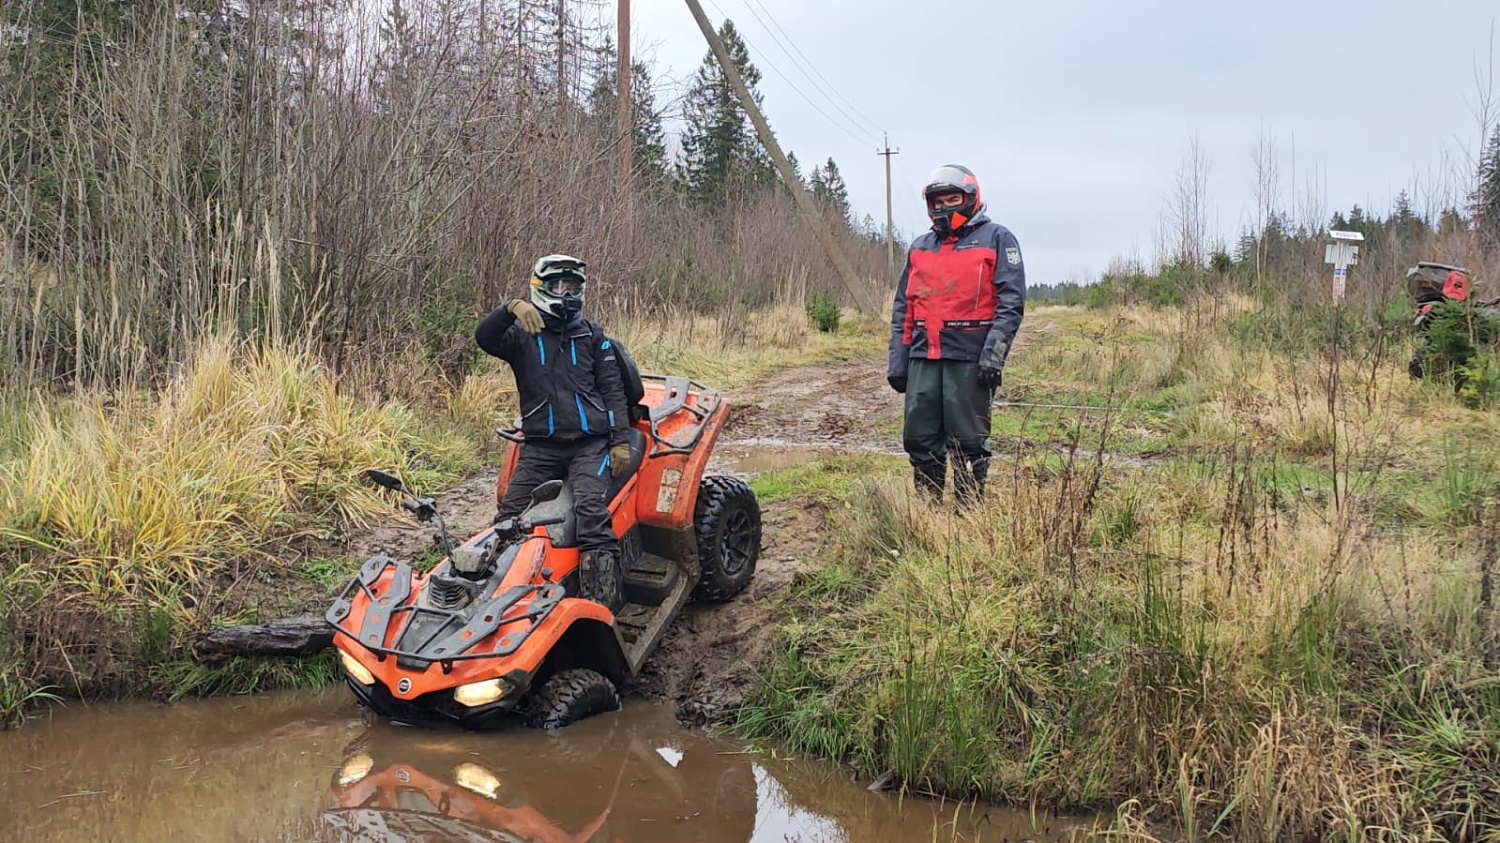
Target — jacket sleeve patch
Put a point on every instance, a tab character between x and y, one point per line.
1013	256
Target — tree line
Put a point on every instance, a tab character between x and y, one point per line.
366	177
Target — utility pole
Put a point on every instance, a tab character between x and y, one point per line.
562	50
809	211
625	122
890	224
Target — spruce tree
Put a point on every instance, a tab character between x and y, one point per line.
720	150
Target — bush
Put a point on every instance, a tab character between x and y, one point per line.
824	312
1460	342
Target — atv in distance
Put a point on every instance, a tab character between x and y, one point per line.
499	624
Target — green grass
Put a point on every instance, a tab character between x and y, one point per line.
825	480
328	573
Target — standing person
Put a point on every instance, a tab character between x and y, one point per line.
573	411
958	305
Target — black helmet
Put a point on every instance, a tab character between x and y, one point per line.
951	178
557	284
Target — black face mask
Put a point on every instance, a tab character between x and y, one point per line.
571	306
950	220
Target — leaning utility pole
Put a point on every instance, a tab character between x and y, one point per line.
623	72
890	224
794	184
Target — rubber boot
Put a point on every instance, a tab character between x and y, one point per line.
600	578
968	482
929	481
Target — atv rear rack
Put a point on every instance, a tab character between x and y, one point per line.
675	391
485	619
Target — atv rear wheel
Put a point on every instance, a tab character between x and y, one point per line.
570	696
727	522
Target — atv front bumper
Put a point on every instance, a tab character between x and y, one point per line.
432	709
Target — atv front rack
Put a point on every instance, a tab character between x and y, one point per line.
443	643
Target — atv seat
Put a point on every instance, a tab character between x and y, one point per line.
637	441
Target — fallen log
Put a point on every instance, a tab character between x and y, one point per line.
299	636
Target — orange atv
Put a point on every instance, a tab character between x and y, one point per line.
498	625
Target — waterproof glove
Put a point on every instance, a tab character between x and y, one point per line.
897	382
619	459
527	316
989	377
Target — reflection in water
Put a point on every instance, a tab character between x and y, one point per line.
307	766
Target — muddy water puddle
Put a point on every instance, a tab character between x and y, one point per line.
309	766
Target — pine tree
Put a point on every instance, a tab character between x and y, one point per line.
720	150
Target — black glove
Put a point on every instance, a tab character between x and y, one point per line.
897	382
989	377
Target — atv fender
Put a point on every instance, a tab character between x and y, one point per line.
580	633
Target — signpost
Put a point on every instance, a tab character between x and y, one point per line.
1342	253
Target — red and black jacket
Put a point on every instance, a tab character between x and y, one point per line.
960	297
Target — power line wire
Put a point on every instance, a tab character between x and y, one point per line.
767	61
863	125
870	123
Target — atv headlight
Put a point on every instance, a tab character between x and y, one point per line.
476	778
355	769
480	693
359	672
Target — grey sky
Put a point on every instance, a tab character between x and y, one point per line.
1076	115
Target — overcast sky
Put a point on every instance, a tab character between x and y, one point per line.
1076	114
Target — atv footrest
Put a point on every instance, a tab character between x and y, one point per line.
633	620
651	579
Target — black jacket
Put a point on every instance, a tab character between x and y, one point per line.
567	376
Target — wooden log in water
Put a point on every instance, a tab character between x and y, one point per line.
299	636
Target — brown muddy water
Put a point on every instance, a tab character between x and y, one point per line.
308	765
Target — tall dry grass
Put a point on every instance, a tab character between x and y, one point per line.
130	521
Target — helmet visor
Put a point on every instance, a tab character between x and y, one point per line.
949	178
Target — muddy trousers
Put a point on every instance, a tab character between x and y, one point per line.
947	416
584	463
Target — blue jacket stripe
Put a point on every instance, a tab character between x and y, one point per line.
583	420
573	348
541	349
602	466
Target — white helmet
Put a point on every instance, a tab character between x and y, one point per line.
557	284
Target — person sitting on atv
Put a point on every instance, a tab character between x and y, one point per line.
573	410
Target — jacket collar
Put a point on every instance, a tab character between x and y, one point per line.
552	323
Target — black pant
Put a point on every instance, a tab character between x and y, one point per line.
584	464
947	409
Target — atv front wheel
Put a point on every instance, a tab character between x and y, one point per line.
570	696
727	521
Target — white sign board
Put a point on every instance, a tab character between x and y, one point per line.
1342	253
